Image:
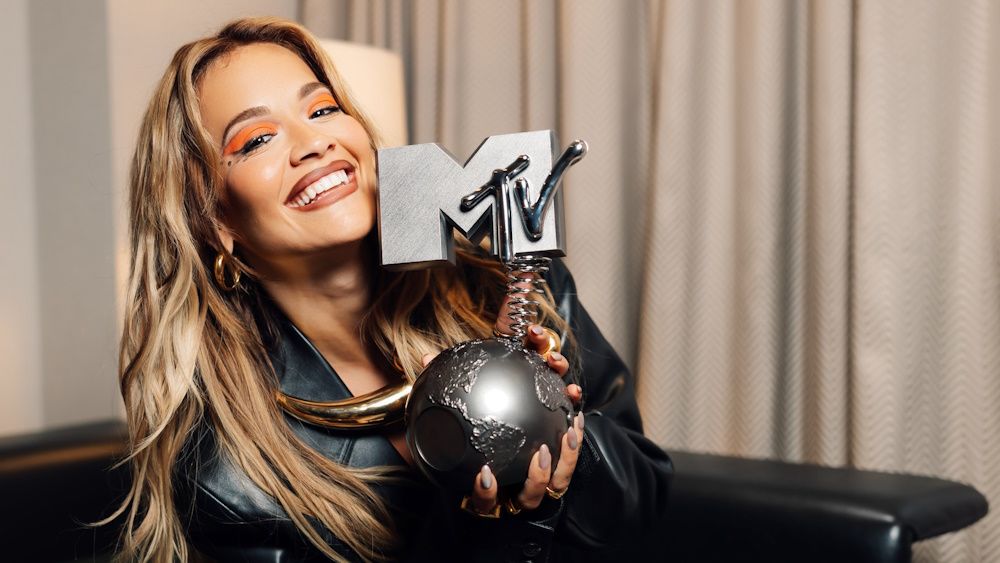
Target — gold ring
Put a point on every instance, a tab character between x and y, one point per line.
553	494
467	506
510	506
554	343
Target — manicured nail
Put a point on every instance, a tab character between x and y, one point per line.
573	443
555	356
579	421
544	457
485	477
537	330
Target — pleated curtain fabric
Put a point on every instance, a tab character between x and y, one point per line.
789	221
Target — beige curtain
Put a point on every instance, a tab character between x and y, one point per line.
788	223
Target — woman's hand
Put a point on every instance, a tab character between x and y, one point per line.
540	472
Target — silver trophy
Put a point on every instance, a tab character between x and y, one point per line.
486	401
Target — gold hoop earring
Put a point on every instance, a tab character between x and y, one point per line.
221	261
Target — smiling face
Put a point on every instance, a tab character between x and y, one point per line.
299	172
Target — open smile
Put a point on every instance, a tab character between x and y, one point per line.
326	189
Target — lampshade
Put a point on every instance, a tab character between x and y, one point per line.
375	78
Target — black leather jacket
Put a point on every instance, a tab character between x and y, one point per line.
615	503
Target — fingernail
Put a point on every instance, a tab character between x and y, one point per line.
536	330
579	421
544	457
486	477
573	443
555	356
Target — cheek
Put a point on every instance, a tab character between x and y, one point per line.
365	156
356	140
252	186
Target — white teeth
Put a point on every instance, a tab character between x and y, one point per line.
331	180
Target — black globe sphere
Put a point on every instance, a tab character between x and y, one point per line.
485	402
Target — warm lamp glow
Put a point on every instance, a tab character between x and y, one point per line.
375	78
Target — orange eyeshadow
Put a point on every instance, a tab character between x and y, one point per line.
245	135
324	100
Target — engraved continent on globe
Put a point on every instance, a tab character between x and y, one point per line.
496	440
449	386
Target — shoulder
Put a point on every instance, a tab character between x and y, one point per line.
563	288
559	278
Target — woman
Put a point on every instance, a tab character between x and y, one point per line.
250	277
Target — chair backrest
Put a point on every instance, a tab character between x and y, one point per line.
375	77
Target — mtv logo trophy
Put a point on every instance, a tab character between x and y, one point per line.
483	401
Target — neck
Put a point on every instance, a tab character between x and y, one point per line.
325	296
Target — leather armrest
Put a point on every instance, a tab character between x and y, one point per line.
721	508
55	482
727	509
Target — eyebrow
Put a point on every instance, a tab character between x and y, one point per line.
243	116
258	111
310	88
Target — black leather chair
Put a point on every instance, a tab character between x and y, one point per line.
52	484
721	508
732	509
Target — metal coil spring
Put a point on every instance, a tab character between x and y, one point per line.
521	309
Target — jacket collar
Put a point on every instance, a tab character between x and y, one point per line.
301	369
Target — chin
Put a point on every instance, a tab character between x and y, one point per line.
350	231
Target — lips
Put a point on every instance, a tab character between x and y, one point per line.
315	175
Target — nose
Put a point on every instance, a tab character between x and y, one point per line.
308	142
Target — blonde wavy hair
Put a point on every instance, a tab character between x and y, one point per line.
193	354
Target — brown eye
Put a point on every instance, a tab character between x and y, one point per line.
325	111
250	138
257	141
